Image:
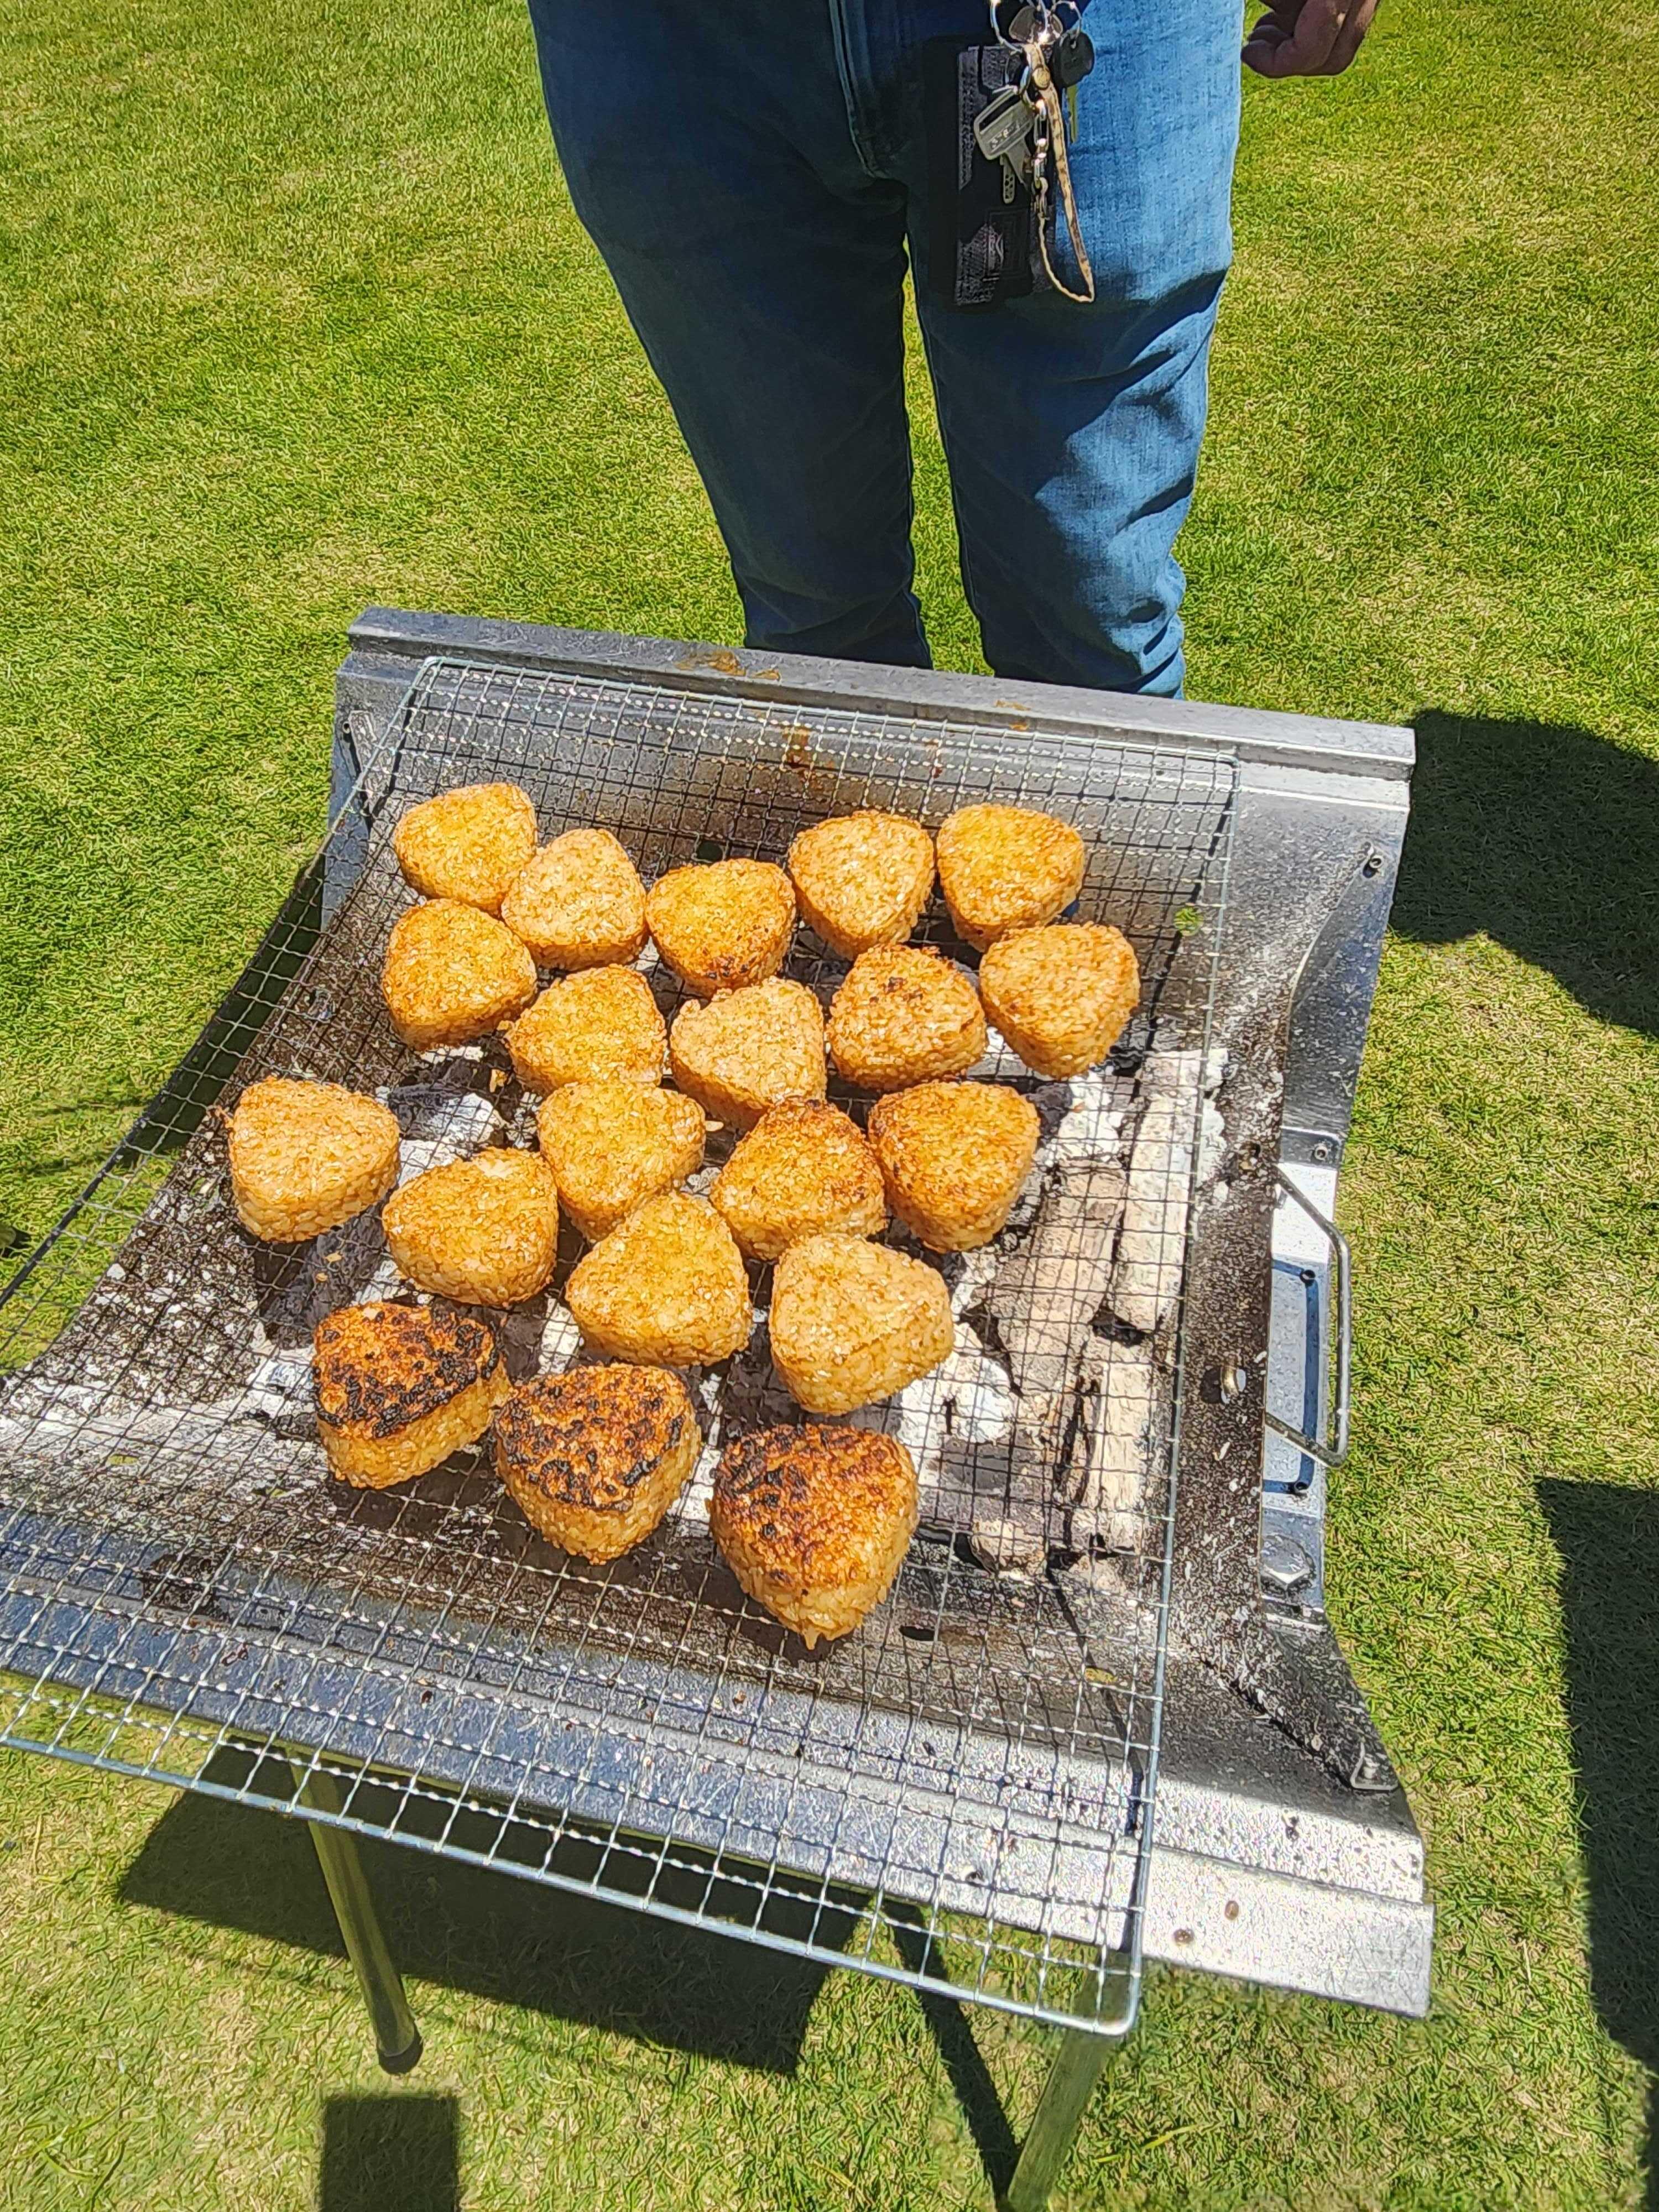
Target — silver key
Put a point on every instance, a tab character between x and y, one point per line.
1003	125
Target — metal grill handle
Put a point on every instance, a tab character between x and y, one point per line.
1332	1449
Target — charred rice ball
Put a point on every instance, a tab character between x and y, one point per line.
802	1170
579	903
862	879
852	1322
305	1157
452	974
1006	868
611	1145
594	1458
1062	995
904	1015
484	1231
468	844
599	1026
666	1287
750	1050
953	1157
814	1522
399	1388
722	924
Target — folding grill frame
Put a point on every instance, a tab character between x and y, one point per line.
159	1662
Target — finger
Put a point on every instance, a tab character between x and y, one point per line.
1351	37
1313	35
1318	27
1267	39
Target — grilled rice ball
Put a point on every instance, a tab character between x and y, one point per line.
579	904
598	1026
595	1457
953	1157
452	974
1006	868
467	844
750	1050
399	1388
803	1169
484	1231
305	1157
862	879
1062	995
853	1321
814	1522
904	1015
666	1287
722	924
611	1145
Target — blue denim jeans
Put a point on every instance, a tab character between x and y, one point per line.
753	173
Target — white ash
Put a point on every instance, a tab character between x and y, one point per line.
1150	1246
967	1397
1007	1547
1114	1446
439	1123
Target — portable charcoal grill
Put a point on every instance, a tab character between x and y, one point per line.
961	1795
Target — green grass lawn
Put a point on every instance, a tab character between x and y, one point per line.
294	317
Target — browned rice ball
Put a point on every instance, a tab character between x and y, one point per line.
399	1388
803	1169
904	1015
953	1157
484	1231
579	904
1062	995
594	1458
749	1050
814	1522
665	1287
305	1157
1006	868
467	844
598	1026
861	879
722	924
853	1321
452	974
611	1145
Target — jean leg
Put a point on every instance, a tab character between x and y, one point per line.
1073	433
708	153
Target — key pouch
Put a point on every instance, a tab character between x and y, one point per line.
980	241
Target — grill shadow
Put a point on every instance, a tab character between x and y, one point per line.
493	1935
391	2153
1547	838
1607	1537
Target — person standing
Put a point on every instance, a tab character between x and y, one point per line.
758	173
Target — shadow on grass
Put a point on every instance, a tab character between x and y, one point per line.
1547	838
495	1935
1607	1537
390	2154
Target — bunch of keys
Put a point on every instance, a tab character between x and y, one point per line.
1006	126
1019	126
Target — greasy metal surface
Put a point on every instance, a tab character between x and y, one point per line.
986	1746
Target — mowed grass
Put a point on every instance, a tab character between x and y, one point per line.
294	317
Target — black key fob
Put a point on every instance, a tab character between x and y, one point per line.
1072	59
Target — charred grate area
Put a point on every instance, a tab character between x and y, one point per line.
959	1794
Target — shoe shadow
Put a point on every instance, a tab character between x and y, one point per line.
1546	838
1607	1537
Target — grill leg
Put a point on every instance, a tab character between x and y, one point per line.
396	2036
1073	2075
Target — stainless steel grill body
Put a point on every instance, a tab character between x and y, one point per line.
962	1794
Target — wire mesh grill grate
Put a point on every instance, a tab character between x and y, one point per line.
959	1794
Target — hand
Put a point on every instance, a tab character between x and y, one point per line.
1308	37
